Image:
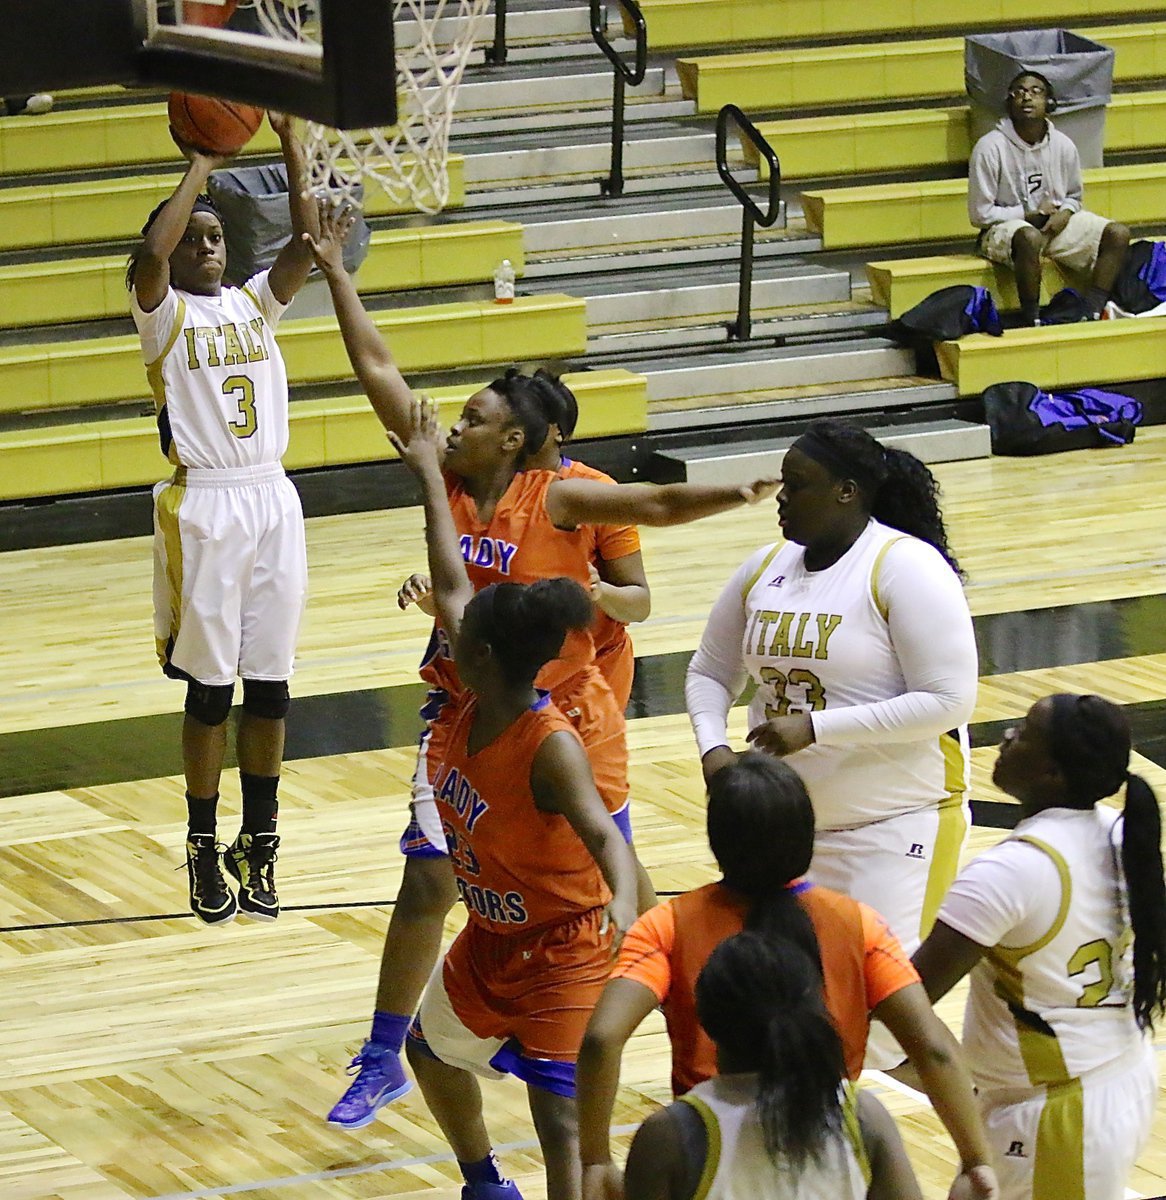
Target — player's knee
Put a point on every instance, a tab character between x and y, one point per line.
209	704
266	698
1026	244
428	888
1115	236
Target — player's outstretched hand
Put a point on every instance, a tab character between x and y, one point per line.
422	450
783	735
415	590
759	489
976	1183
193	154
337	217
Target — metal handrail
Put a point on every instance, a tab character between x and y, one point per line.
751	213
496	54
624	74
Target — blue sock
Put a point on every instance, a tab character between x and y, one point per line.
484	1171
388	1029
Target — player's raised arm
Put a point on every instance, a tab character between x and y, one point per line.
151	260
420	450
379	376
572	502
290	269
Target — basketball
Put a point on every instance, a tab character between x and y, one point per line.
210	124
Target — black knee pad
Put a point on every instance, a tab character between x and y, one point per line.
266	698
209	704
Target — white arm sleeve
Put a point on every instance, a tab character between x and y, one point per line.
1009	896
258	287
716	675
156	326
1074	187
931	632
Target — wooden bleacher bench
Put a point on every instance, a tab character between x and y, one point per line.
1057	356
870	72
81	289
682	23
63	375
918	138
113	210
936	209
102	455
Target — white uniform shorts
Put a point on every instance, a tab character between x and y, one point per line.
230	574
1077	1140
1075	247
902	867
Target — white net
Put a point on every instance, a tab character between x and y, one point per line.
410	159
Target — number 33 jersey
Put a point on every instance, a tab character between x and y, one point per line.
217	376
820	642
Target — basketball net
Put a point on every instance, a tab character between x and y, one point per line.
410	159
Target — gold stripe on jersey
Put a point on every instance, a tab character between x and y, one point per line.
874	575
1058	1167
169	503
945	855
154	369
712	1157
852	1128
751	582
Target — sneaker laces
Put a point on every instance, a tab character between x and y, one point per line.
208	876
359	1060
261	859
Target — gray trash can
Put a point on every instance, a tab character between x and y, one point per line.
253	201
1081	72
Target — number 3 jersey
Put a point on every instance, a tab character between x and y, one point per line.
1051	999
217	376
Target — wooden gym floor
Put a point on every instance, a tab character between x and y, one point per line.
144	1056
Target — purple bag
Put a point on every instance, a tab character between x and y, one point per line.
1025	420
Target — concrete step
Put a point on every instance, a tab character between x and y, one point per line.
754	368
544	93
946	440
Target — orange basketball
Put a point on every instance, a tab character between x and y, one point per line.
208	123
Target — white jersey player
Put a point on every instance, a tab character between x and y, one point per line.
230	570
774	1124
1063	927
857	635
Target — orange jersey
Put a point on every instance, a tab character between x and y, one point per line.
613	647
518	869
666	948
520	544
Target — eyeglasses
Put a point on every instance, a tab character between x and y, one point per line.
1037	89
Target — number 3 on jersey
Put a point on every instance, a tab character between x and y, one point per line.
243	390
813	693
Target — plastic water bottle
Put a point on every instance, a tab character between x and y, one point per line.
504	282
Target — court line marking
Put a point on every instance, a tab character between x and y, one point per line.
399	1164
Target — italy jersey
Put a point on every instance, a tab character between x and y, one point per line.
738	1166
1051	999
217	376
819	641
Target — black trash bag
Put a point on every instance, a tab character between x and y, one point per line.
1025	420
257	222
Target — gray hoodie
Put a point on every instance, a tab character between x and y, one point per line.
1007	177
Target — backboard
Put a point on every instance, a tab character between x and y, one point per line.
347	81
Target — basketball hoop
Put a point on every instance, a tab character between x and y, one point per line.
409	160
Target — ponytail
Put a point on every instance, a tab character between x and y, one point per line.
1141	860
525	624
761	832
761	1001
908	500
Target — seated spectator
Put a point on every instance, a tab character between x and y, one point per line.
1025	194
